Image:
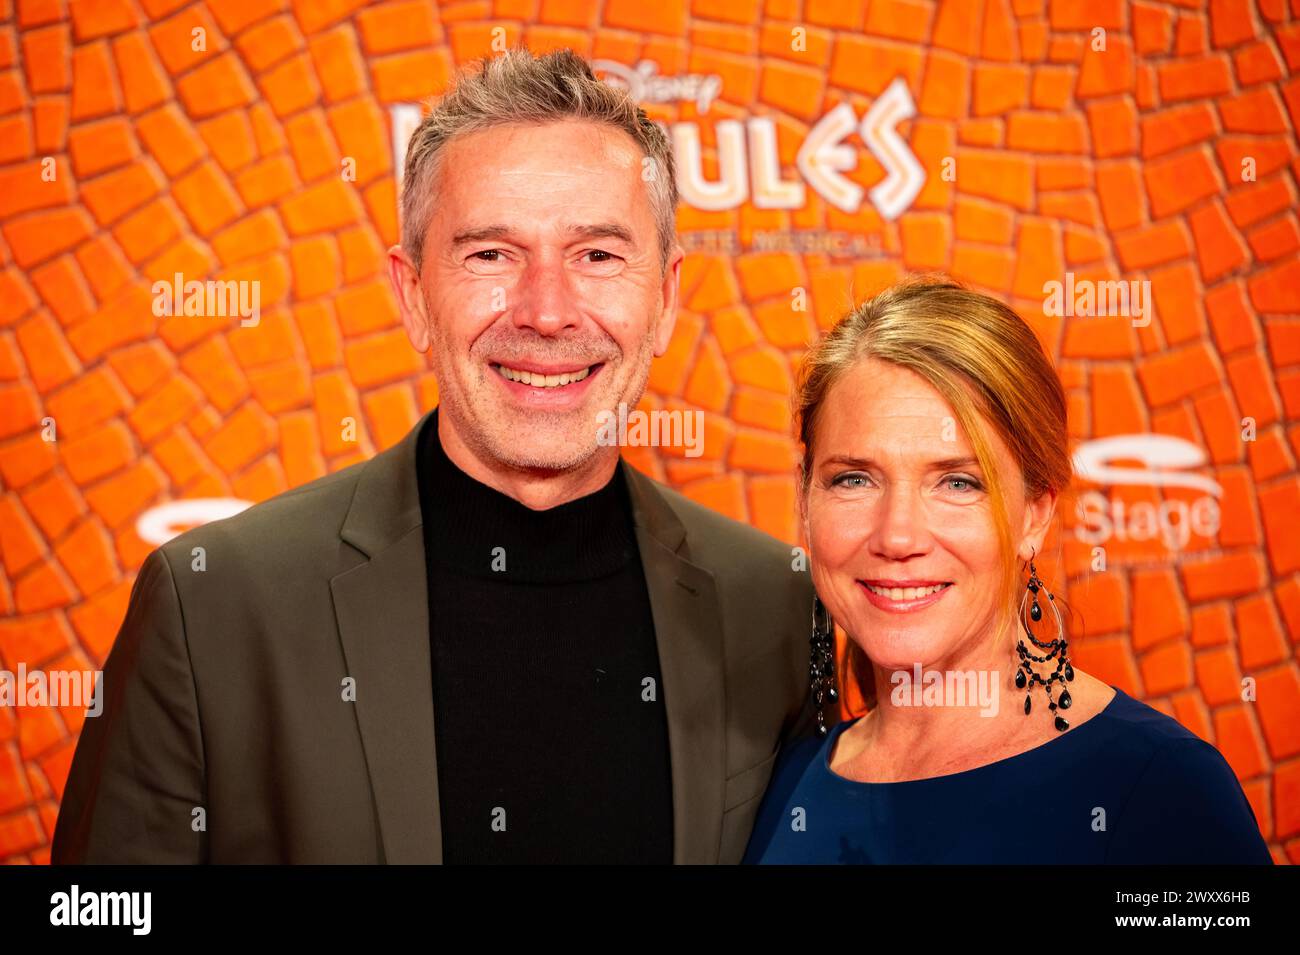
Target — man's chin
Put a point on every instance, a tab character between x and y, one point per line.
557	462
538	451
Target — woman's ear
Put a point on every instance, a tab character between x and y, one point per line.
801	495
1038	520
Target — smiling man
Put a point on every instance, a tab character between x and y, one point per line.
495	641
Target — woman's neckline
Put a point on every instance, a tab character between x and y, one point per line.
835	733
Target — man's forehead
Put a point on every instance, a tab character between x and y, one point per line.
534	178
605	229
599	142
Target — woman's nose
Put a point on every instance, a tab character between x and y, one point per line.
900	529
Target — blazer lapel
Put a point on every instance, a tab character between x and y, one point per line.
382	609
688	633
381	606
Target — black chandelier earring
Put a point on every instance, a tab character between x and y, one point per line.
821	665
1056	650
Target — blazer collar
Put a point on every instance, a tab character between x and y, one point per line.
381	606
386	505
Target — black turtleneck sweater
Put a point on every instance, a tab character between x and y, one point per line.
542	640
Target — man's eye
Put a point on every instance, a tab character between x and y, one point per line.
608	257
486	252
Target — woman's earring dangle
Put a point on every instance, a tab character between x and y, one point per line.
821	664
1056	650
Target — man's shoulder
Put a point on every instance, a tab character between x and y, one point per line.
707	527
729	548
303	518
764	593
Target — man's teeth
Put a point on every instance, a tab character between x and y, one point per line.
906	593
542	381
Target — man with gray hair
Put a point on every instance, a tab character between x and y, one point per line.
495	641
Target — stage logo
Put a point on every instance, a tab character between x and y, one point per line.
1163	461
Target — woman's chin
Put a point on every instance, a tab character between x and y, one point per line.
902	655
901	647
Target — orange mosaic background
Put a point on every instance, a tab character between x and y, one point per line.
224	163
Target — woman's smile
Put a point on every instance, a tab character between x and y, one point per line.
904	596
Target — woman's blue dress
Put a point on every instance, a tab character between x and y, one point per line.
1129	785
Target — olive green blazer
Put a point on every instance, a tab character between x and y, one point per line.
227	735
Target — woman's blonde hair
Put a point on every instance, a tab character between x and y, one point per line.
985	361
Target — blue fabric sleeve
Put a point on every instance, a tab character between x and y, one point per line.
1187	808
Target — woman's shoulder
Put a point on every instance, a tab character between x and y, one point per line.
797	768
1156	746
1143	718
794	780
800	752
1183	802
1128	727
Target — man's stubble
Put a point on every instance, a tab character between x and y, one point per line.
504	443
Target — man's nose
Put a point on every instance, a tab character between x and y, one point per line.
546	299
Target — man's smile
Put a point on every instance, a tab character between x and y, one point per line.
554	389
543	377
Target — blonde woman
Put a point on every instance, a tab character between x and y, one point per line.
935	448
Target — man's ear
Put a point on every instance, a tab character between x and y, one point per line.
1038	520
668	316
405	280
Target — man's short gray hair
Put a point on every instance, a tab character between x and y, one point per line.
517	87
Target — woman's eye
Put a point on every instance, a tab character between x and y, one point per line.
966	483
848	480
